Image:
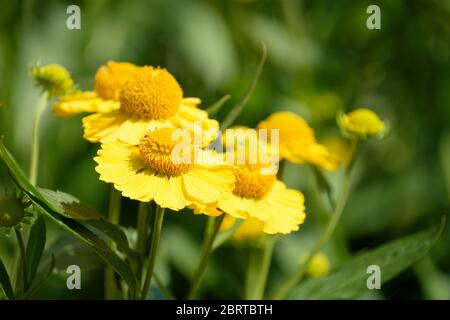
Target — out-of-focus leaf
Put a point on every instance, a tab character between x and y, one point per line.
444	154
5	282
70	206
183	250
350	280
35	248
206	42
224	236
74	227
287	49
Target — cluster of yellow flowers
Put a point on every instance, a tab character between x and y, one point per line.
137	114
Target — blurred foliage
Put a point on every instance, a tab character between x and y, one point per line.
321	58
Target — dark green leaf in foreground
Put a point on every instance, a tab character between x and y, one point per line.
5	282
70	206
57	215
35	248
350	280
73	208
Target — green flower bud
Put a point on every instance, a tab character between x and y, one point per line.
54	78
11	211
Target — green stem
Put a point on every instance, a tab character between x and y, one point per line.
23	258
142	237
142	227
113	217
330	228
156	233
210	236
34	160
259	265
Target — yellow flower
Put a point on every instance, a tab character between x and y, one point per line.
148	171
53	78
297	142
258	194
362	123
249	229
319	266
150	98
109	79
338	147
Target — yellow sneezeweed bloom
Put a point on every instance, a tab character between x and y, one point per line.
54	78
150	98
362	123
258	194
319	266
148	171
249	229
109	79
297	142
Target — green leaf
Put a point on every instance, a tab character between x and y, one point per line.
350	280
213	109
237	109
115	233
45	271
73	208
35	248
5	282
70	206
54	212
224	236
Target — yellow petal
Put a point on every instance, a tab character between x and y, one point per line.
116	163
98	126
170	193
142	186
285	208
132	130
207	185
81	102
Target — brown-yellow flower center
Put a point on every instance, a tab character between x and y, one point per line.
251	183
110	78
151	93
157	149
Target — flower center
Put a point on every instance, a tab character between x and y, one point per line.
151	93
157	151
110	78
250	183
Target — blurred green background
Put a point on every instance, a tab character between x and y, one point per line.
321	58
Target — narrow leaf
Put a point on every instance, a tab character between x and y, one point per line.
70	206
227	234
35	248
213	109
5	282
114	232
237	109
350	281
